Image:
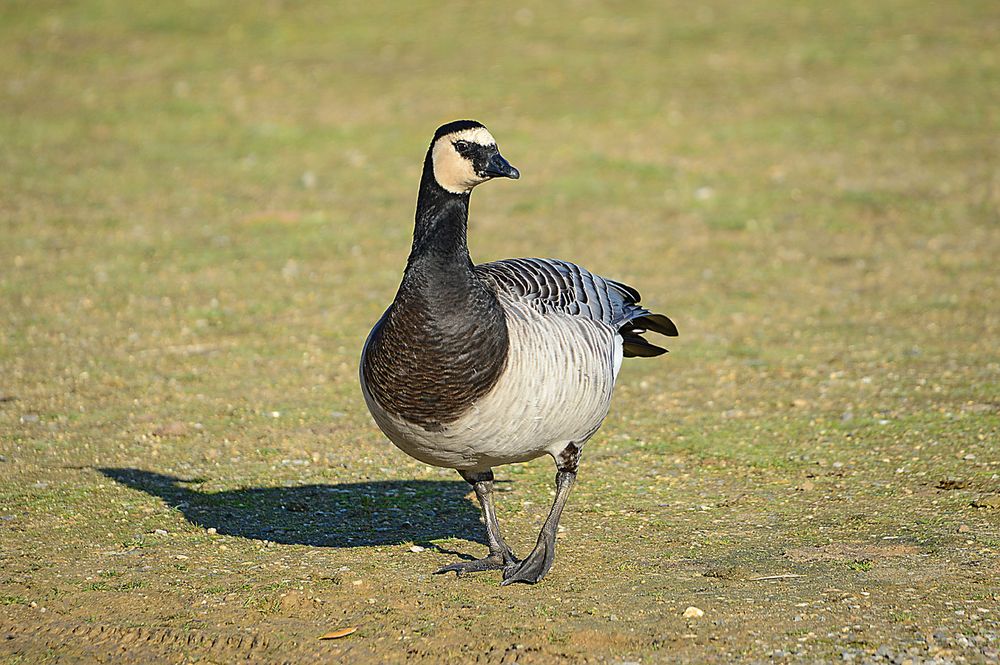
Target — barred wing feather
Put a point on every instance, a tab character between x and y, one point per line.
550	285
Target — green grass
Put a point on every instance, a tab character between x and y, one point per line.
207	205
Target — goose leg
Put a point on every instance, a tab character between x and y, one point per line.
500	555
537	564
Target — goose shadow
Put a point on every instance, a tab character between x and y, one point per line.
388	512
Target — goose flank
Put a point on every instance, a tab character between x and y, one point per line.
476	366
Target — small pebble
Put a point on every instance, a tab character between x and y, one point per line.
212	531
416	548
693	612
160	532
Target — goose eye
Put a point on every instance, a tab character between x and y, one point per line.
461	146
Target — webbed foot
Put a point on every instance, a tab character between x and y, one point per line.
491	562
534	567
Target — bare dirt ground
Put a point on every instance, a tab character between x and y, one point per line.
206	206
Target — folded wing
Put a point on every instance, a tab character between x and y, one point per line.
550	285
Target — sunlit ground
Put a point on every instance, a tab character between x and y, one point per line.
205	206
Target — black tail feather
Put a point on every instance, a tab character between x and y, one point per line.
657	323
636	347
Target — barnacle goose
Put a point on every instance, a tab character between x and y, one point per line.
474	366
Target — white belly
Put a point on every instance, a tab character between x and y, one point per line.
555	390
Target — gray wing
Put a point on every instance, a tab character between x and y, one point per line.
550	285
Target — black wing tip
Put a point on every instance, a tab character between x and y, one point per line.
630	292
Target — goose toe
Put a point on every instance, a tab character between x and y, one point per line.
532	569
491	562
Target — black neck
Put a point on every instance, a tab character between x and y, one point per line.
439	233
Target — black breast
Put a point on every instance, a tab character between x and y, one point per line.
434	354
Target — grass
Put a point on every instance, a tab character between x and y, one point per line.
206	206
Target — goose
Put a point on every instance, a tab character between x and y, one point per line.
476	366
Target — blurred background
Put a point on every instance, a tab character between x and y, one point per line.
206	205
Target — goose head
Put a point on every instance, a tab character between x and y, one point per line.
464	154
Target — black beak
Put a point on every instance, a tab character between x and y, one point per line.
498	167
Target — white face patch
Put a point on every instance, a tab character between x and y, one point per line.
452	171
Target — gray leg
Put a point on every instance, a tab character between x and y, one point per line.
537	564
500	555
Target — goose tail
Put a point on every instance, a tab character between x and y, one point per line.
637	346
